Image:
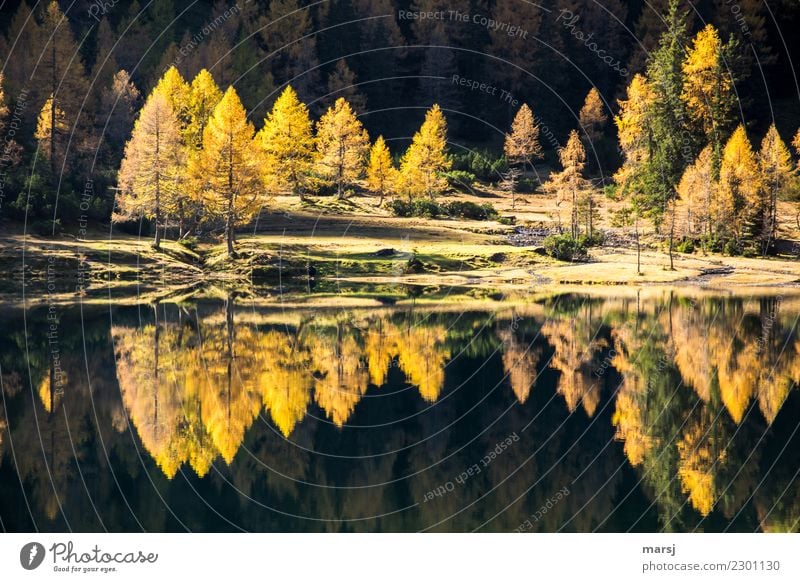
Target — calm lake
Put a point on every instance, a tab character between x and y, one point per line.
661	411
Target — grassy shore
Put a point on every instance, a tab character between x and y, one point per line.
356	249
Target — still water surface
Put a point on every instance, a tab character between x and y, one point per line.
646	413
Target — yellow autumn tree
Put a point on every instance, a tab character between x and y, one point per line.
381	173
592	116
740	197
204	95
796	145
426	158
288	144
342	144
521	147
51	131
696	188
152	170
229	166
569	185
708	89
632	128
777	170
174	87
522	144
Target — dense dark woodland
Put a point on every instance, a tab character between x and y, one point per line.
262	46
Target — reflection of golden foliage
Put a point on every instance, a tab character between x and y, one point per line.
149	391
698	464
629	420
738	377
575	356
519	363
11	383
230	399
691	347
50	398
777	381
341	377
748	362
285	380
380	347
422	355
420	350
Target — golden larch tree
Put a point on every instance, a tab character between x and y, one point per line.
288	144
426	158
593	116
174	87
569	185
152	170
708	89
777	170
522	144
230	166
739	193
204	95
51	132
632	129
381	173
521	147
696	189
342	145
796	144
61	76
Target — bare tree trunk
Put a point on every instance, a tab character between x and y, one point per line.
638	248
672	235
157	243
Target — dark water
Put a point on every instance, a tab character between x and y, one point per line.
657	412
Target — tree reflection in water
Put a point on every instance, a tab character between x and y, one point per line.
666	412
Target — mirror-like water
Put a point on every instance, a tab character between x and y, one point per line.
659	412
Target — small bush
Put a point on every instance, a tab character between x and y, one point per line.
507	220
565	248
470	210
731	248
460	180
430	209
685	246
527	185
189	242
597	239
483	165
